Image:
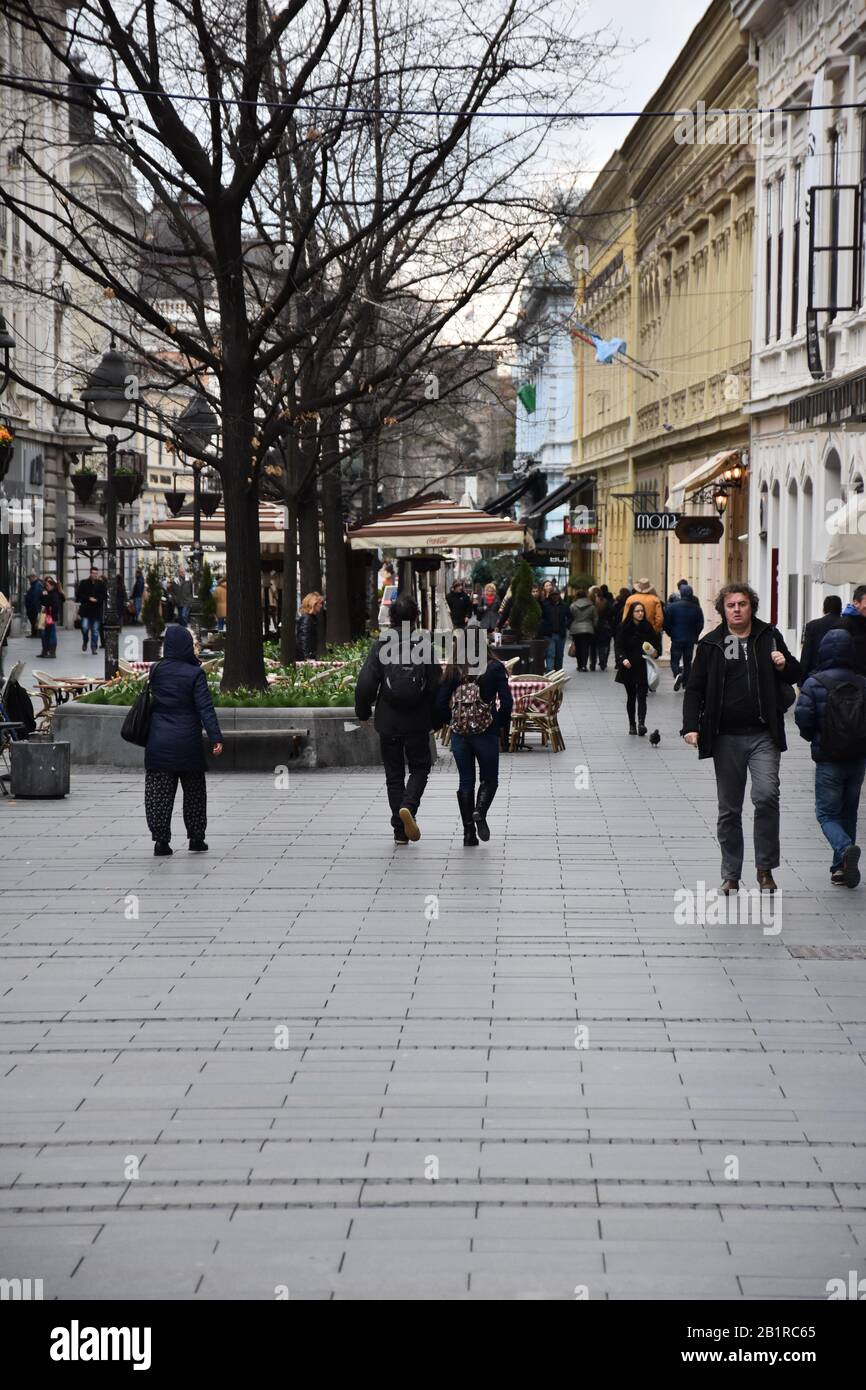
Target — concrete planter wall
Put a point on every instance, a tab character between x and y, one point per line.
333	738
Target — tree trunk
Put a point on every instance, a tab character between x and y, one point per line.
308	515
244	660
336	570
288	651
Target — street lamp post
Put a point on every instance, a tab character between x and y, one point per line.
194	428
7	343
107	403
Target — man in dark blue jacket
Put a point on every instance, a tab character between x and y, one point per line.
837	782
683	623
815	632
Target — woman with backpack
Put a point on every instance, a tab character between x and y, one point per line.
477	708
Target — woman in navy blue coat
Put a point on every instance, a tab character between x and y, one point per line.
182	705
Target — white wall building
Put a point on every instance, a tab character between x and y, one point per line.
804	459
544	437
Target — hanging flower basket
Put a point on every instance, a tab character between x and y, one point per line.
7	449
210	501
174	501
126	485
84	485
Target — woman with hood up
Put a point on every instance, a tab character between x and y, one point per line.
182	705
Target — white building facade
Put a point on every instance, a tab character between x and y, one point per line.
806	456
544	436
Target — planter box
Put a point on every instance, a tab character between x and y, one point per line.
39	770
333	737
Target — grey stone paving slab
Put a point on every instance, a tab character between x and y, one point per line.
414	1037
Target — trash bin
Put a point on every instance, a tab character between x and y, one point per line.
39	769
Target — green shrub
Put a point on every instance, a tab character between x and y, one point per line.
481	573
525	615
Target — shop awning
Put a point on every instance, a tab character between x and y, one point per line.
560	497
845	561
176	532
92	536
436	525
506	500
705	473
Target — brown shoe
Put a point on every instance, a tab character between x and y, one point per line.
730	885
409	823
766	882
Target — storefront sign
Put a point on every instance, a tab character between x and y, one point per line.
699	530
656	521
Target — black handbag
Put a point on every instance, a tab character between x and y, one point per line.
136	725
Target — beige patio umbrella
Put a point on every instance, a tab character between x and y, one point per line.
845	561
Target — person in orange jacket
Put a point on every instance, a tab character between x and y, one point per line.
654	608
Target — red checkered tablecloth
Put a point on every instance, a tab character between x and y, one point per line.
523	688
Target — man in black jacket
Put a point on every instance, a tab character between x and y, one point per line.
459	604
90	596
734	712
403	692
815	631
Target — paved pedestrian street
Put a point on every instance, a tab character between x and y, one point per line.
312	1065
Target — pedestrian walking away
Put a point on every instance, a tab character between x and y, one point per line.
33	603
403	693
634	639
740	685
853	620
90	596
478	709
603	627
831	714
653	607
182	707
582	625
815	632
683	623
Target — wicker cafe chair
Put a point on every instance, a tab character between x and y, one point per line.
540	714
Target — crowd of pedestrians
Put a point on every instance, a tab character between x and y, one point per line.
739	682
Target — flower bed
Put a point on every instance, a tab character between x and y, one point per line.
308	685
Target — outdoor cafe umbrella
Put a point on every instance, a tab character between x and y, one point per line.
845	560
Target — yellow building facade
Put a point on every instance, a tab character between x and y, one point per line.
666	235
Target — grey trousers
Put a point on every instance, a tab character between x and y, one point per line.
734	755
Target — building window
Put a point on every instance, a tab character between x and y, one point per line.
780	252
768	268
795	249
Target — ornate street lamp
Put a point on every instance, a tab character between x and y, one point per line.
194	428
7	343
107	399
720	498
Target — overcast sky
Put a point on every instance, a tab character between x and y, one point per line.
651	33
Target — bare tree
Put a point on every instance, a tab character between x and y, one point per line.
303	172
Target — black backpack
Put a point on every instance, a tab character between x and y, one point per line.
843	736
405	685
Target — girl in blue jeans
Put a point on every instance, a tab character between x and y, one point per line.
494	699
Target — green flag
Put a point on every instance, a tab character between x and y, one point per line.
526	396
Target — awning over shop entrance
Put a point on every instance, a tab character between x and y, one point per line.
560	497
436	525
705	473
530	482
